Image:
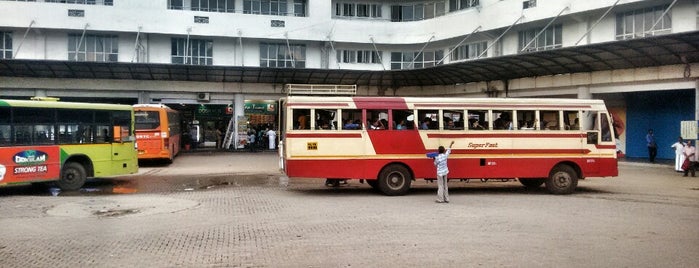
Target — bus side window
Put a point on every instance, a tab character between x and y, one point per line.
550	120
5	125
606	130
571	119
403	119
477	120
351	119
428	119
453	119
526	120
301	117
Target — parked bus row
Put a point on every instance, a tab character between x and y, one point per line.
46	140
384	140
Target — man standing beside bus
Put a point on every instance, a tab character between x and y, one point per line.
440	161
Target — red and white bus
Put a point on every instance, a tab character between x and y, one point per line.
385	140
158	131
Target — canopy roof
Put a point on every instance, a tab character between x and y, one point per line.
671	49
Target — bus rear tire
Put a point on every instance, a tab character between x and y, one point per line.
562	180
73	176
532	183
394	180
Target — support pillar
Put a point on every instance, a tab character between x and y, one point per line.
238	114
584	92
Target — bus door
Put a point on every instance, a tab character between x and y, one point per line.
600	140
124	144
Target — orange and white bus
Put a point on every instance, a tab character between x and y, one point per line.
387	140
158	131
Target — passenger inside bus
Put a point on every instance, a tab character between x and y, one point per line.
475	125
350	125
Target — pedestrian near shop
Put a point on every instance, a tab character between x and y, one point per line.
272	138
690	153
652	146
440	161
679	154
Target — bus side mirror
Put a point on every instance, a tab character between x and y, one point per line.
592	137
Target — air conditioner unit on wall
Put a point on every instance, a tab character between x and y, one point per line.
203	96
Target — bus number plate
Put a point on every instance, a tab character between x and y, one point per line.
312	146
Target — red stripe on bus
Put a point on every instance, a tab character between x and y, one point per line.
520	151
506	135
318	104
380	103
598	146
491	106
323	135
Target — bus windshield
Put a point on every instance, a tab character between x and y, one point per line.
147	120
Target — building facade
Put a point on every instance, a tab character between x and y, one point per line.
152	40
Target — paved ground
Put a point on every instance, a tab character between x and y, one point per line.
232	210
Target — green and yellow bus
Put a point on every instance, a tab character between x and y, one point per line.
65	142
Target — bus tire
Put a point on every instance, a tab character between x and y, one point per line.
562	180
532	183
394	180
73	176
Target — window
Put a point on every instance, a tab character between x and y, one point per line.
265	7
175	4
453	119
5	133
358	56
208	5
639	23
468	51
84	2
550	120
528	3
5	45
300	8
192	51
477	119
377	119
503	120
551	38
351	119
415	60
403	119
357	10
526	120
428	119
325	119
302	118
571	120
93	47
455	5
419	11
282	56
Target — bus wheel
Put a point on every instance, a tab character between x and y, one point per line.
73	176
532	183
394	180
562	180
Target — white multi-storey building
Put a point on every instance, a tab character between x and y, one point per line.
215	58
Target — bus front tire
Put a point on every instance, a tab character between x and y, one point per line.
394	180
562	180
73	176
532	183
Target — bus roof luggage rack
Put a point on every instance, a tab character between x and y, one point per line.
305	89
